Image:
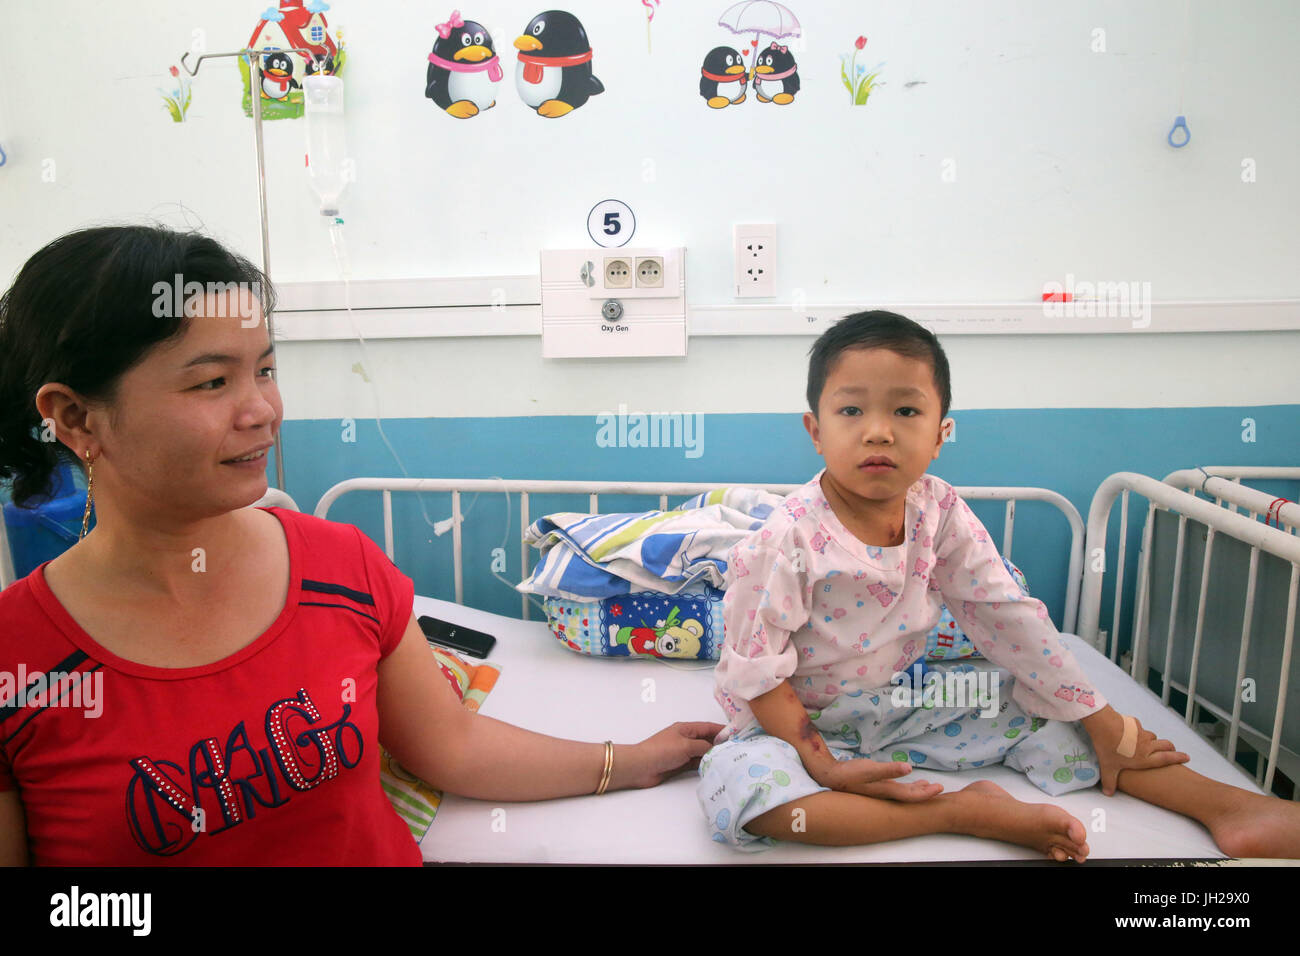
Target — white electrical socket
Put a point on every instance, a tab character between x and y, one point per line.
755	260
650	272
618	272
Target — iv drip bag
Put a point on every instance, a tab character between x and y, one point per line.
327	149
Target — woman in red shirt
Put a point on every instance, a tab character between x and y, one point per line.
247	662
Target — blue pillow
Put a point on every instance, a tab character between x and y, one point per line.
946	641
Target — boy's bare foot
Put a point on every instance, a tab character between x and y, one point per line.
989	811
1256	825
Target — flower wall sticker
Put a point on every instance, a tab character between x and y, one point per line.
857	79
178	101
649	17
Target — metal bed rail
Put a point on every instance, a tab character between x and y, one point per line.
275	498
594	489
1218	520
1223	483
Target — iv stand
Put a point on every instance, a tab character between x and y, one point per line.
256	106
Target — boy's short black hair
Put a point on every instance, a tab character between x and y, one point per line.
877	330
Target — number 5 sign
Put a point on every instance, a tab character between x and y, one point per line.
611	223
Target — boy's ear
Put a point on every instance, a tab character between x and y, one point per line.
814	430
946	428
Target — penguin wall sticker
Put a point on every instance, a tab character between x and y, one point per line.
776	76
276	71
464	69
276	81
554	74
774	72
724	77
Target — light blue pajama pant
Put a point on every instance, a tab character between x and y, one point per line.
753	772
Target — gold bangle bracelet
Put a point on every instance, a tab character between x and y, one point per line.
609	767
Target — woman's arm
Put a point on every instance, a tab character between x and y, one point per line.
423	724
13	830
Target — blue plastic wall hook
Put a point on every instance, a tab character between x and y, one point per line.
1180	122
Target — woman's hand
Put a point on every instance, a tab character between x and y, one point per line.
874	778
666	754
1106	729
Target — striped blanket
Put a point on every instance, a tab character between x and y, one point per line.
592	556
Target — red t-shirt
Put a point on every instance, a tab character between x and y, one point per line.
277	745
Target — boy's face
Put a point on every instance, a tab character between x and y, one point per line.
877	404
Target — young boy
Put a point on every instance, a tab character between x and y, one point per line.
832	599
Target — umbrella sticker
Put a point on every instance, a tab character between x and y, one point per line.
858	80
773	69
554	73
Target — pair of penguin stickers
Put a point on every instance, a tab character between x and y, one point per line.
553	75
775	76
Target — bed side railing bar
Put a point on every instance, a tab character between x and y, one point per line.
388	525
1200	627
1287	642
1119	568
1008	527
1173	608
1141	604
524	523
458	561
1230	748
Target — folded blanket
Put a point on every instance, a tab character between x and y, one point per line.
593	556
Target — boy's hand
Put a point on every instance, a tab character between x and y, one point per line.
874	778
1106	729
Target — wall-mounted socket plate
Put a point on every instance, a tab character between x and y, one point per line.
643	288
755	260
639	273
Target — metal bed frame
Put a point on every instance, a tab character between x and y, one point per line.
1219	519
594	489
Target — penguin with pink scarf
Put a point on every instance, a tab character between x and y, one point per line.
463	68
776	75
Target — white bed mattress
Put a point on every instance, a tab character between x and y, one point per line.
547	688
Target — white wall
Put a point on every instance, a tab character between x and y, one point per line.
1059	154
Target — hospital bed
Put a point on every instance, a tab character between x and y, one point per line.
547	688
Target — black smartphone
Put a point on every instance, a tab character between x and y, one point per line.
456	636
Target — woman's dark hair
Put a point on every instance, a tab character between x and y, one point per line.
877	330
83	311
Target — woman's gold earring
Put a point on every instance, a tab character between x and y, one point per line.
90	493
